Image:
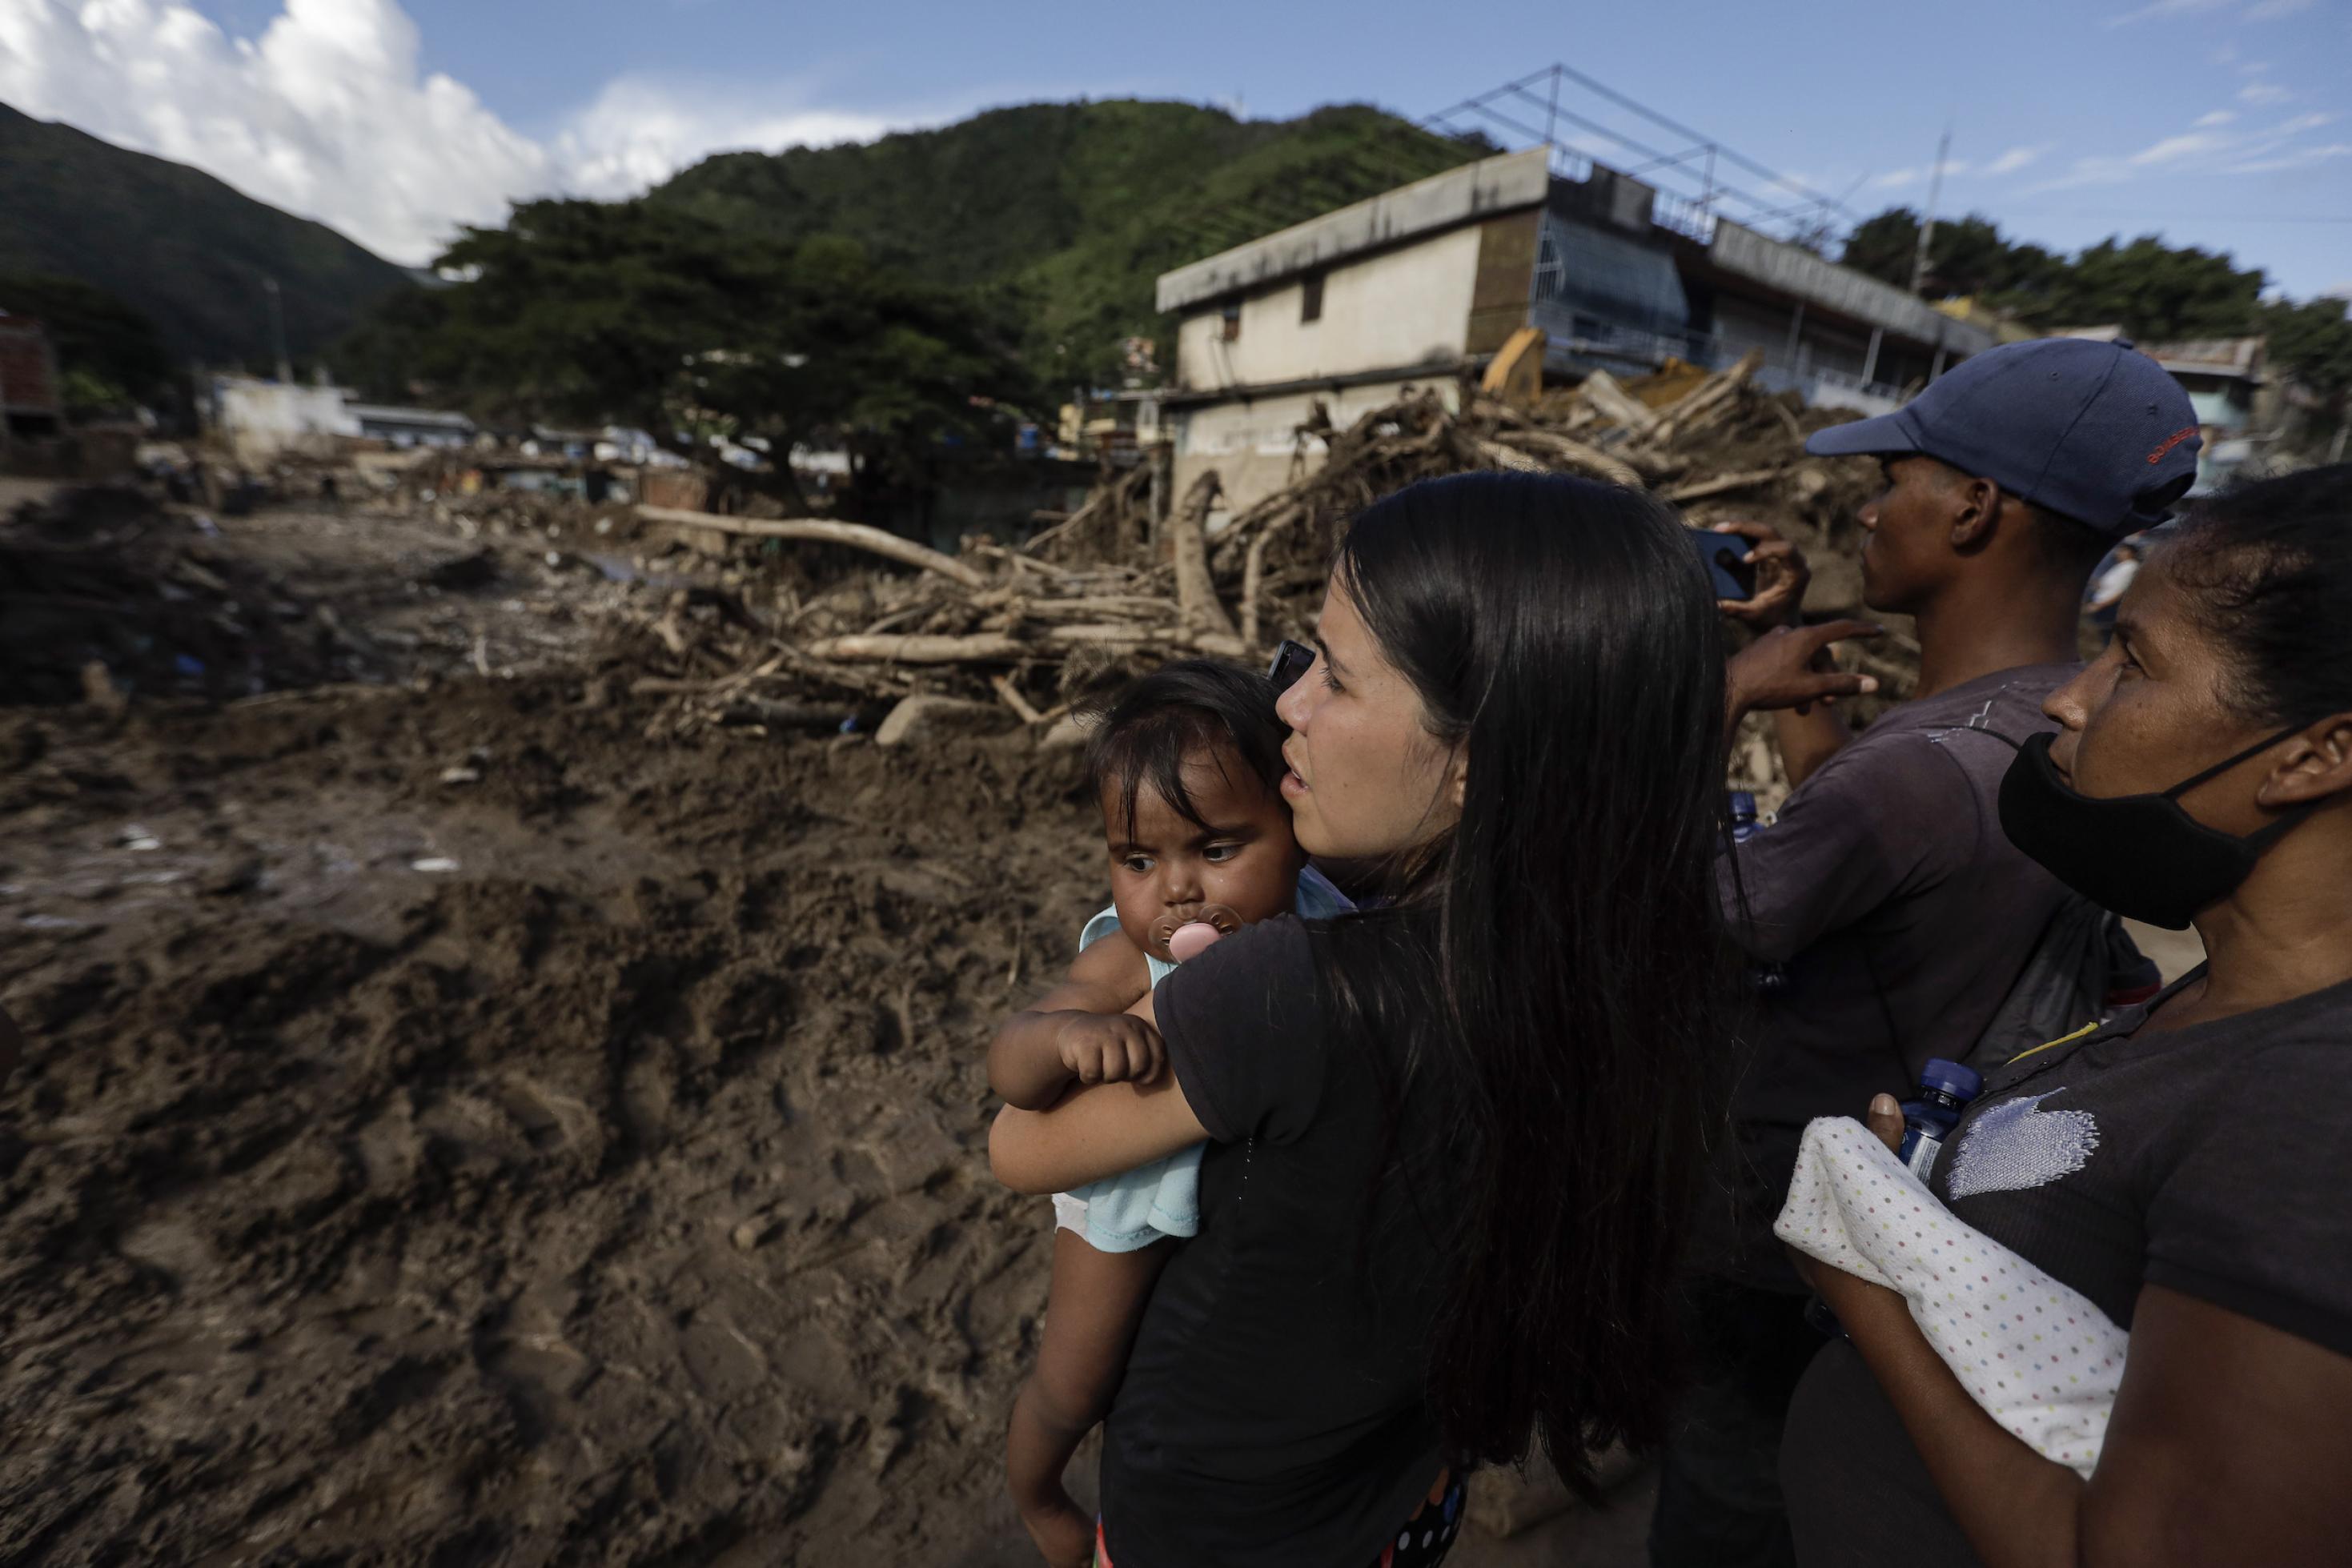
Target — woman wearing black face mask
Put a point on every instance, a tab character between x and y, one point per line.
2184	1167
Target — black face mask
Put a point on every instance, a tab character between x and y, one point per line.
2139	855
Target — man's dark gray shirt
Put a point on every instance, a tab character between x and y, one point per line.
1895	918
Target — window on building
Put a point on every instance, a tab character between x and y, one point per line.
1233	320
1550	270
1311	297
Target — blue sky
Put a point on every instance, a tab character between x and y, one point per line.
2225	123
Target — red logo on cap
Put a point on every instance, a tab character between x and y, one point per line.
2175	439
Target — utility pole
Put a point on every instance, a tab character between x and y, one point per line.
277	331
1927	224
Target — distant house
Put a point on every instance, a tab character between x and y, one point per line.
406	427
1422	285
31	403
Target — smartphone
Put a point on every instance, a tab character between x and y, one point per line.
1723	555
1291	661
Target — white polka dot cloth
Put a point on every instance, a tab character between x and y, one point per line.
2041	1359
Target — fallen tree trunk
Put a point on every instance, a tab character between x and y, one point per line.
1710	397
857	536
1611	401
1576	454
1196	591
998	648
1728	482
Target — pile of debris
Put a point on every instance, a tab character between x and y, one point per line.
108	595
1116	587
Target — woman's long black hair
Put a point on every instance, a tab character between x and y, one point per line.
1554	975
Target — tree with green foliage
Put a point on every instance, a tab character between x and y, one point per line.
109	355
2149	289
2311	344
2156	291
654	317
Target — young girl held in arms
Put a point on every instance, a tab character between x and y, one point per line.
1187	765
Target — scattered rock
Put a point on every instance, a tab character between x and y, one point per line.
464	571
240	875
98	690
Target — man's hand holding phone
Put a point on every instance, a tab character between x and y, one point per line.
1777	568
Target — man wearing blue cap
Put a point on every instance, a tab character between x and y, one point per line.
1888	917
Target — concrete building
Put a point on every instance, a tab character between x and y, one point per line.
1418	286
407	427
32	406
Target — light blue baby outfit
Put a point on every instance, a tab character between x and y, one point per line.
1137	1207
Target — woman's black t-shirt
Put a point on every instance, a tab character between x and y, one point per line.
2209	1160
1272	1411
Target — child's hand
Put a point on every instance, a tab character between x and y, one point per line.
1111	1047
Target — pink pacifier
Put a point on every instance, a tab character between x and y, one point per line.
1191	939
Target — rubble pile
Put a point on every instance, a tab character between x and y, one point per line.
1113	588
107	595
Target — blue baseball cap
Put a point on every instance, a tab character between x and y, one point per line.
2096	432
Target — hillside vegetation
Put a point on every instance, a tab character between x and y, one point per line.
1076	207
179	245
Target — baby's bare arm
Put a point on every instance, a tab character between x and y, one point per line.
1026	1064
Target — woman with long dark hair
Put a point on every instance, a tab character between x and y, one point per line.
2183	1164
1453	1139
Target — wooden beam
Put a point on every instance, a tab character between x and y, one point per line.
857	536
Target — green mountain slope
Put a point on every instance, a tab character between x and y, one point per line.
180	245
1078	205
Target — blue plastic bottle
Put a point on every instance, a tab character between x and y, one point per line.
1944	1090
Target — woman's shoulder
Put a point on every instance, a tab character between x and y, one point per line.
1273	961
1245	1028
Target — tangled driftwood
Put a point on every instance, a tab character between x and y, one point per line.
1130	579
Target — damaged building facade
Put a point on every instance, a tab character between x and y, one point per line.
1421	286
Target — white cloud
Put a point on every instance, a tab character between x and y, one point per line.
328	114
325	114
2173	149
2263	92
2017	158
2209	147
2269	10
637	133
2164	8
1895	179
2295	160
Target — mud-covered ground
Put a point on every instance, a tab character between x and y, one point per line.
459	1129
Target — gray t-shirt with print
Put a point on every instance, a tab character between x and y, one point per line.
1894	918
